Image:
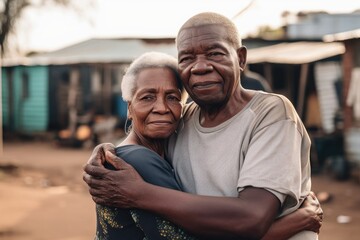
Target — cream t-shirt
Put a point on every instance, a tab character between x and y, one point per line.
265	146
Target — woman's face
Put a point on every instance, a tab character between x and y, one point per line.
155	108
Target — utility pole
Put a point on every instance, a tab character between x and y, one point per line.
243	10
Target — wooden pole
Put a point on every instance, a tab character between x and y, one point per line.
73	92
268	74
1	112
302	87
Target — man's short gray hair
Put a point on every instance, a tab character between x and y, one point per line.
146	60
210	18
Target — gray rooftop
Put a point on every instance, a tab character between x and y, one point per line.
98	51
295	53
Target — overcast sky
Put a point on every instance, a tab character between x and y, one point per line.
52	28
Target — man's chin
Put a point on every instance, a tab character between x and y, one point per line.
209	101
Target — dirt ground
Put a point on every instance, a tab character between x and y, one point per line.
42	196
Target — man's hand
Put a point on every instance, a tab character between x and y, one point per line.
308	217
97	157
111	187
312	213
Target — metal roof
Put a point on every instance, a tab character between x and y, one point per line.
295	53
98	51
126	50
348	35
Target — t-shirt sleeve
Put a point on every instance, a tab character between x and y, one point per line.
273	162
151	167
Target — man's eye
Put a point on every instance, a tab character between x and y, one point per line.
185	59
215	54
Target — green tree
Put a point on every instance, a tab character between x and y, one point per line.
11	11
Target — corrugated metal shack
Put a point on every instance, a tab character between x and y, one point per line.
309	74
57	90
350	92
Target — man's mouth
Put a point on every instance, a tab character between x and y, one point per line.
205	85
210	85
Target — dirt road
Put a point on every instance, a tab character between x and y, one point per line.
42	196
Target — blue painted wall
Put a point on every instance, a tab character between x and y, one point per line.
5	98
30	111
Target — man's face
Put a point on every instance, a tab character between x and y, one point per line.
208	64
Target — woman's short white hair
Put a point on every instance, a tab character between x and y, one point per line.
146	60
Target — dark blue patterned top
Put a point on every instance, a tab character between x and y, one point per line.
116	223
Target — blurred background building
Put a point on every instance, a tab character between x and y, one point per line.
73	94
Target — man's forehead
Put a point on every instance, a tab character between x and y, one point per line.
203	32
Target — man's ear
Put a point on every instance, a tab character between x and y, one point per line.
242	53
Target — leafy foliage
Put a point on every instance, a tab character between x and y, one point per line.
11	11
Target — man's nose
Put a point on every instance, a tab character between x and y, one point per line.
201	67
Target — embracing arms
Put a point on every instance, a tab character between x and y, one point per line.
249	216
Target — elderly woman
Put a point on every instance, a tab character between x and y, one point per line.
152	89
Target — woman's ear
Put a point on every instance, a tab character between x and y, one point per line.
129	115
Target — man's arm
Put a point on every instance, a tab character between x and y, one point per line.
247	217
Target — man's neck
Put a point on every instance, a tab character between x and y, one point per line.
215	115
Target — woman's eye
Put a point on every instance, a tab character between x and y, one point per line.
174	98
147	98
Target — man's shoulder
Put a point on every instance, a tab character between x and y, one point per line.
271	107
189	110
273	102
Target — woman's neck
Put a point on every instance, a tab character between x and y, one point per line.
156	145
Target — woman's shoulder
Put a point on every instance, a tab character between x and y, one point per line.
151	166
133	152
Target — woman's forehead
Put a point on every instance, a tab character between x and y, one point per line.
156	76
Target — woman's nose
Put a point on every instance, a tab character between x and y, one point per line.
161	106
